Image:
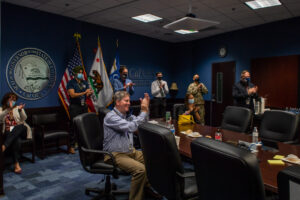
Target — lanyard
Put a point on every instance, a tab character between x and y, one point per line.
128	137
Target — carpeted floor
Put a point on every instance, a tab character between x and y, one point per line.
58	177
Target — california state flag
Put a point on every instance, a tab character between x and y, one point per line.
99	81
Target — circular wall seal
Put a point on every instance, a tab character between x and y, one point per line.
31	73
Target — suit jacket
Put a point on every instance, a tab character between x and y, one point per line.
240	95
19	116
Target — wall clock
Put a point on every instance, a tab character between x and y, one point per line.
222	51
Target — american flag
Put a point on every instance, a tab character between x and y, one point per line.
62	89
75	61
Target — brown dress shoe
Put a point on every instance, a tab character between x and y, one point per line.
71	150
150	193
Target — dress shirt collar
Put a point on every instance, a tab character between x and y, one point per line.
119	113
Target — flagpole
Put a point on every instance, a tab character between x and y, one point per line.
64	105
77	36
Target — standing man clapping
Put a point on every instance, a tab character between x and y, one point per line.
123	83
159	90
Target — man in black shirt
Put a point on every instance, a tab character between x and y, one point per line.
78	90
244	91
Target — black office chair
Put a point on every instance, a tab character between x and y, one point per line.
224	171
289	183
237	119
163	163
178	109
89	133
50	128
102	113
279	126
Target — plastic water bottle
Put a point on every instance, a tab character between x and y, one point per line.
255	135
172	129
218	135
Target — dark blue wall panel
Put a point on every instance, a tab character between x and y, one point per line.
274	39
23	27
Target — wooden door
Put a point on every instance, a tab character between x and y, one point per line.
277	80
223	79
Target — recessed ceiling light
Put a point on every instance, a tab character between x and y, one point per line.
262	3
186	31
147	18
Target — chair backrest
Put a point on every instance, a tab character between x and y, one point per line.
102	113
89	135
237	119
45	119
278	125
289	183
162	159
178	109
224	171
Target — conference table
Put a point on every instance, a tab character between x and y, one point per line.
268	172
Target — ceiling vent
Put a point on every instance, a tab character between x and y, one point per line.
190	22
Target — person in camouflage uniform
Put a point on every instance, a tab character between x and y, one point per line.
198	89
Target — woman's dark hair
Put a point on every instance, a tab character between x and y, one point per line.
122	67
5	99
186	100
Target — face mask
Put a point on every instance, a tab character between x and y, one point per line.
124	76
159	78
13	103
248	80
197	79
80	76
191	101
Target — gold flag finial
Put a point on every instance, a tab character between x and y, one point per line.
77	36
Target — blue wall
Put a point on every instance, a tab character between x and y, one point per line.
23	27
274	39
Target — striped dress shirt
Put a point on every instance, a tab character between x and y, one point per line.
118	130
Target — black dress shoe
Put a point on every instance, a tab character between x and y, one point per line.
150	193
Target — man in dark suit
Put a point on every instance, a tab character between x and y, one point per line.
244	91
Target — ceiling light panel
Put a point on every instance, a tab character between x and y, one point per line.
257	4
184	32
147	18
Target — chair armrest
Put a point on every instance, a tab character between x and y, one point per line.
38	128
93	151
292	142
185	175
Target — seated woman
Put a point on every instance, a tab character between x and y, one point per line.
14	126
190	108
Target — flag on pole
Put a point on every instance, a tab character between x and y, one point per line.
99	81
76	60
114	72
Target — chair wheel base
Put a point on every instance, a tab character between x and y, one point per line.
101	194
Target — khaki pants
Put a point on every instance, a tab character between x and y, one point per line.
201	113
133	163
